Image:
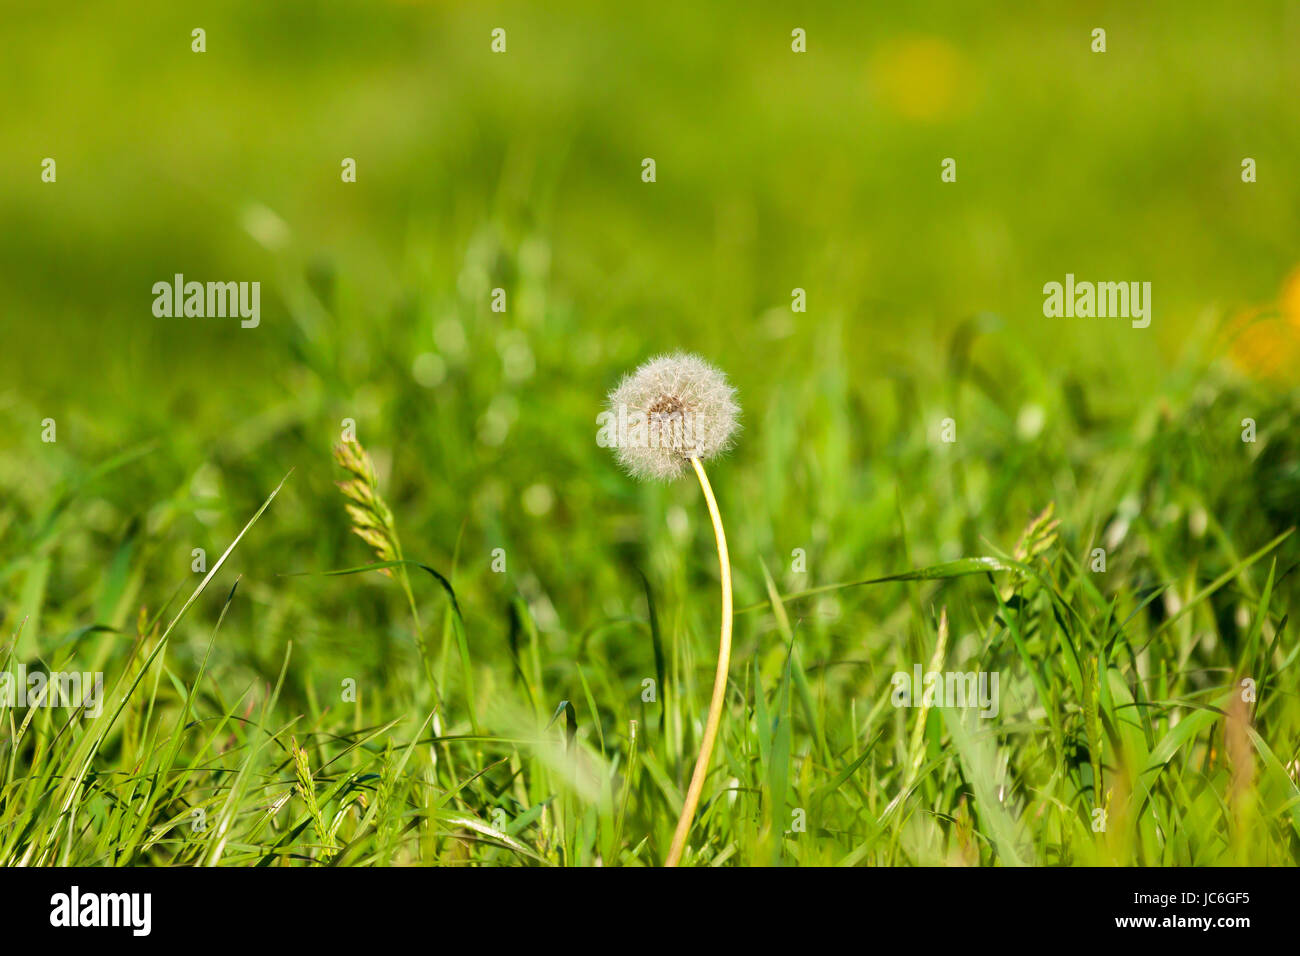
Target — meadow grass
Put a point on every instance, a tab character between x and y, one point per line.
510	663
562	705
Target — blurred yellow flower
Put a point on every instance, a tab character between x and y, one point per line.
1290	301
922	78
1264	341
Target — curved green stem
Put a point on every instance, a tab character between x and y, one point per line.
719	681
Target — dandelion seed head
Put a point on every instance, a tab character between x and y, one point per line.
671	409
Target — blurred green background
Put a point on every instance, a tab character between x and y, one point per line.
522	170
776	171
477	170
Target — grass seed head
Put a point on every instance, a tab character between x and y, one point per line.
372	521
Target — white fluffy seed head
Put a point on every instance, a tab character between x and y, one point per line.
671	409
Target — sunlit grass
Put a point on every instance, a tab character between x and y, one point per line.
525	679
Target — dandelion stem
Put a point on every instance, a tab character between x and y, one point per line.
719	681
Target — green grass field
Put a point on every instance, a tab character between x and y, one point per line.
267	702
